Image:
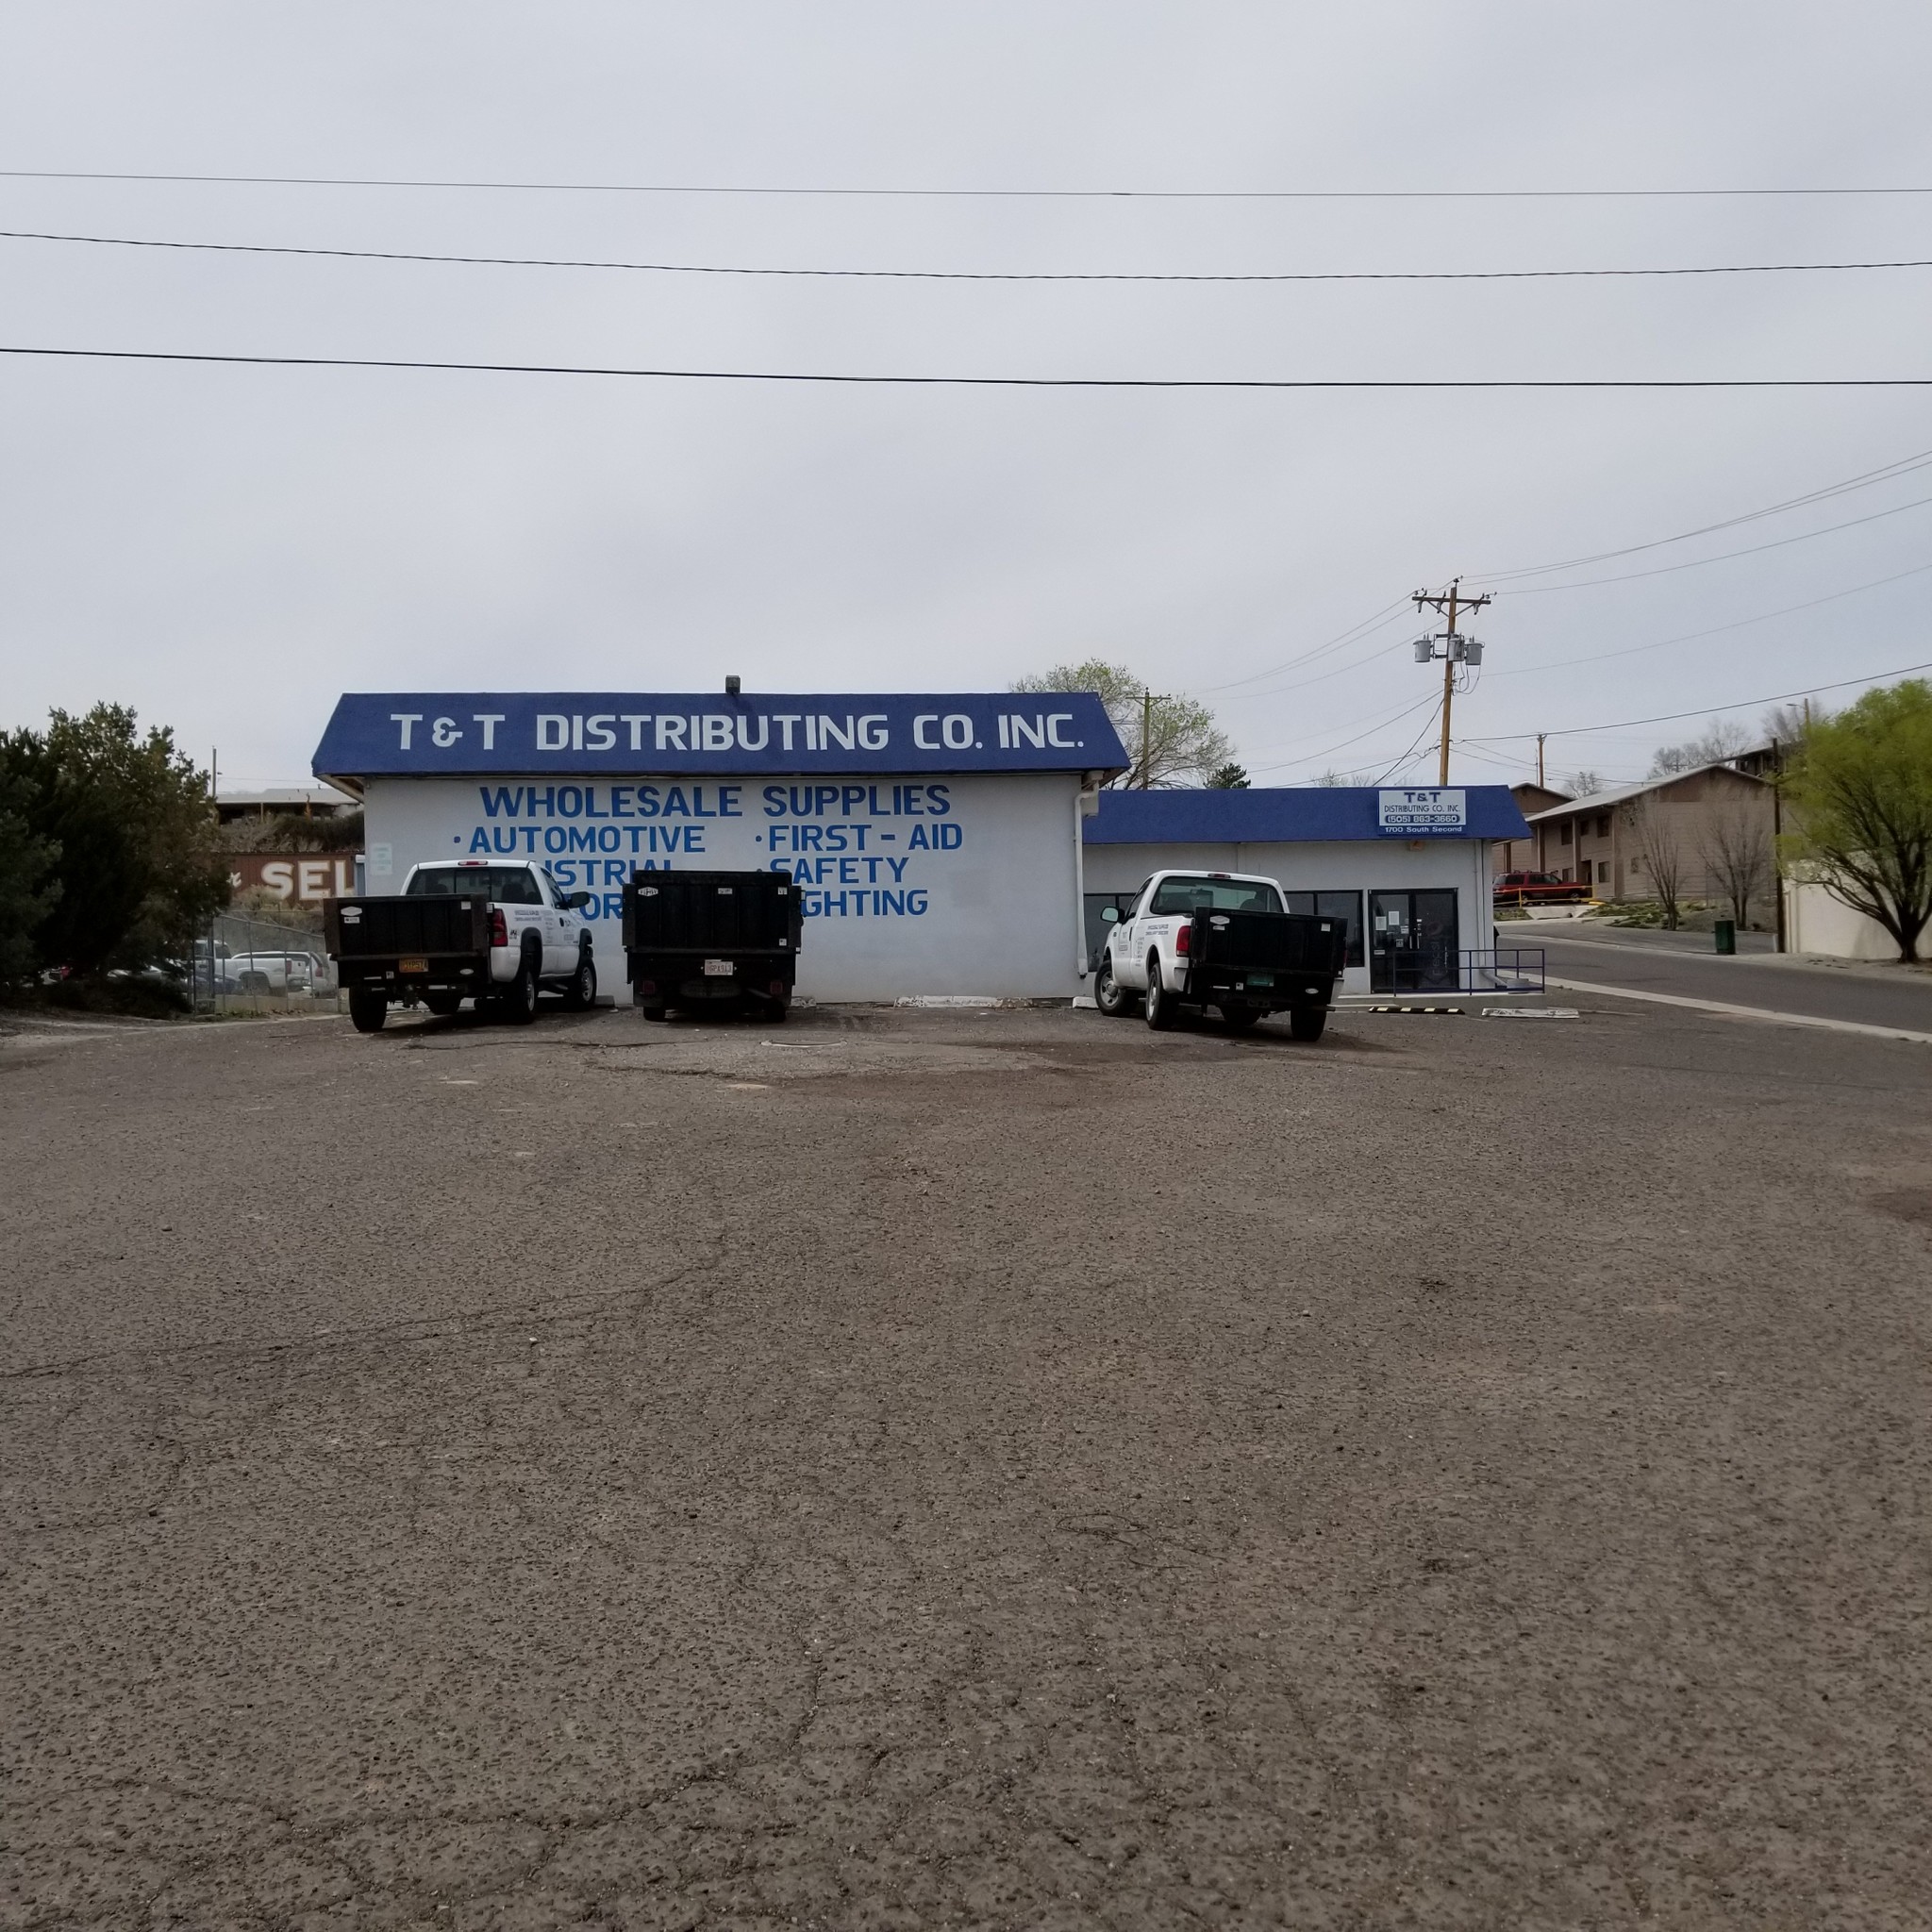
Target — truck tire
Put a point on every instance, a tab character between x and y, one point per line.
1161	1010
1109	995
581	994
520	996
1306	1022
653	1009
367	1008
1238	1017
443	1003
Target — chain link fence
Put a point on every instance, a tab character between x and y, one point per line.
245	964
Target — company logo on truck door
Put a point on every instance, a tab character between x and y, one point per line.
373	735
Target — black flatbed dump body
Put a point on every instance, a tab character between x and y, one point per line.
1271	959
698	938
424	942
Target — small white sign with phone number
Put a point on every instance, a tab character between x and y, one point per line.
1422	808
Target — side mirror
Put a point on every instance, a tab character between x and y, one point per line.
576	901
1111	914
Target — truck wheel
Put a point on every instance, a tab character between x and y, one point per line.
1240	1017
367	1008
520	999
581	994
653	1011
1109	995
1306	1022
1161	1010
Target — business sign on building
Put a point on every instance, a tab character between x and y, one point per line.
424	734
1412	811
298	878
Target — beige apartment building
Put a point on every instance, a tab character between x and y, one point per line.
1713	824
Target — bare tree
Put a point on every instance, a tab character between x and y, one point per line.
1722	739
1170	740
1735	845
1585	784
1654	841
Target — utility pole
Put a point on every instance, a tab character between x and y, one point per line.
1149	698
1456	649
1778	830
1539	737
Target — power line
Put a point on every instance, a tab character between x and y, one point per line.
957	193
1903	466
1139	382
1705	711
1381	724
1722	557
1737	624
1354	634
1381	619
949	275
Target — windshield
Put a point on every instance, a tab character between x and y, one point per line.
1204	894
507	885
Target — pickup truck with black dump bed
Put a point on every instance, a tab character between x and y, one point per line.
463	929
1225	940
703	941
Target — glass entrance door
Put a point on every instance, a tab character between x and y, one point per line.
1412	941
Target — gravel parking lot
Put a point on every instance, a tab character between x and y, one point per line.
1009	1468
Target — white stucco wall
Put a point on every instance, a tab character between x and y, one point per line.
1357	865
1817	923
948	884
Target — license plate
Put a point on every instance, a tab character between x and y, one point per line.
719	968
412	965
1261	979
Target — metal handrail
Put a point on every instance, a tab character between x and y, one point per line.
1478	969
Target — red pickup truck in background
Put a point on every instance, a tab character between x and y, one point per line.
1538	888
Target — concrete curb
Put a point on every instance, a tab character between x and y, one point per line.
1726	1011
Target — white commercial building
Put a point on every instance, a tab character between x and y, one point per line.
1408	867
936	839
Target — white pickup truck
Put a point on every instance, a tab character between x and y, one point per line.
501	930
1219	939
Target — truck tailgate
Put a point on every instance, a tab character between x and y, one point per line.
1283	943
395	927
711	912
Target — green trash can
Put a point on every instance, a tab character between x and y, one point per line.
1726	936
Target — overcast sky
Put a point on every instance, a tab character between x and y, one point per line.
228	548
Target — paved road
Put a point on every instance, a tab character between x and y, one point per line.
1003	1471
1863	995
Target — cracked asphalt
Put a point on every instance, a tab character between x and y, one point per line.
913	1469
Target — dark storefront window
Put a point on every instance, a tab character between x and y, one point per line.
1346	905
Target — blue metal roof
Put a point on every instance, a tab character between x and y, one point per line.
622	733
1286	815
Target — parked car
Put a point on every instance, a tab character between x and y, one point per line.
271	973
1225	940
500	931
713	941
1538	888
